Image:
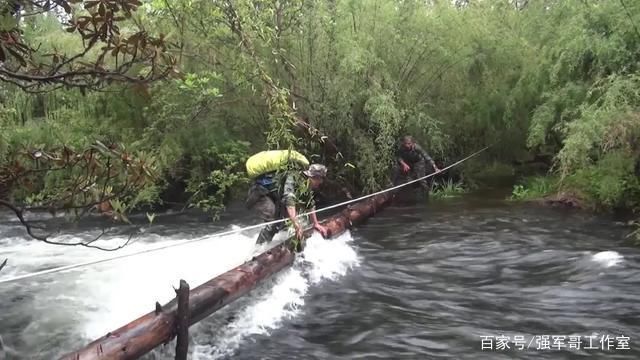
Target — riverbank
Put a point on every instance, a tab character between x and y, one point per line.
600	198
613	193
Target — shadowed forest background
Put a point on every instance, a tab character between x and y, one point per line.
167	121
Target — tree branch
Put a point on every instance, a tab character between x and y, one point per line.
119	176
89	244
26	224
19	64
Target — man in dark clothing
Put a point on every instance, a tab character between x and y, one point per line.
412	158
274	196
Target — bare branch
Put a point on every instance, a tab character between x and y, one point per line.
89	244
26	224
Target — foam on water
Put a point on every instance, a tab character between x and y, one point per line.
100	298
608	258
130	289
93	300
322	260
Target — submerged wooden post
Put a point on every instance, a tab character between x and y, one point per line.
142	335
182	322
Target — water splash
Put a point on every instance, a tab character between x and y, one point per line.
94	300
608	258
322	260
131	289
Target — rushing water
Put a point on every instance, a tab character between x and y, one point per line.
415	282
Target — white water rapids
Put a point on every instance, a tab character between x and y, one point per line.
82	304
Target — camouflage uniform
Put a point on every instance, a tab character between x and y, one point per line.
269	197
417	158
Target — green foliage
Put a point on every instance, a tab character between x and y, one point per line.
228	163
103	43
535	188
610	182
448	189
588	96
550	78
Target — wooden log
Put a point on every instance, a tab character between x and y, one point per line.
355	215
182	326
157	327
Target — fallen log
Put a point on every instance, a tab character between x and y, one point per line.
354	215
159	327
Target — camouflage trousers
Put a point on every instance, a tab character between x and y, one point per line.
268	207
418	170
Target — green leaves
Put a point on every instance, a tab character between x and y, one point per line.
95	25
202	85
210	188
557	79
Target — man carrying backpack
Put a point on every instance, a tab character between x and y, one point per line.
279	184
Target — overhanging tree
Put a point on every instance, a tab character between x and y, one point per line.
113	46
109	46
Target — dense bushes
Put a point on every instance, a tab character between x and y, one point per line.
552	78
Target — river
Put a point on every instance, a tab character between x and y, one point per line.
456	279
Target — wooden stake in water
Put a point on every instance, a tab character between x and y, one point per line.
182	321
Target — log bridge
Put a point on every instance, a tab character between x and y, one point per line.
162	325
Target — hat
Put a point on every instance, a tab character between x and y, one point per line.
316	170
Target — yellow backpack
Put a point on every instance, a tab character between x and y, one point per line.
273	160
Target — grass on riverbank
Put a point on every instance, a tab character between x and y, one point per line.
608	184
448	189
534	188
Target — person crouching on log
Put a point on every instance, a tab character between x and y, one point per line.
411	157
274	191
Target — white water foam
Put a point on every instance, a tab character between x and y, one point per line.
608	258
322	260
130	289
94	300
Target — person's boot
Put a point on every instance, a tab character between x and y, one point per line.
267	233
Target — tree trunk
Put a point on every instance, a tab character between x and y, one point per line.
158	327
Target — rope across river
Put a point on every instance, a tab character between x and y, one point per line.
122	256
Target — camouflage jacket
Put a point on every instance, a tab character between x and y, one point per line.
413	156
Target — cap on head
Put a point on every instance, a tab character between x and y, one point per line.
316	170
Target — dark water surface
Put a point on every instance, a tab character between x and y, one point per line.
433	280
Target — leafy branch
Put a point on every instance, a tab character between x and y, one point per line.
107	56
99	178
